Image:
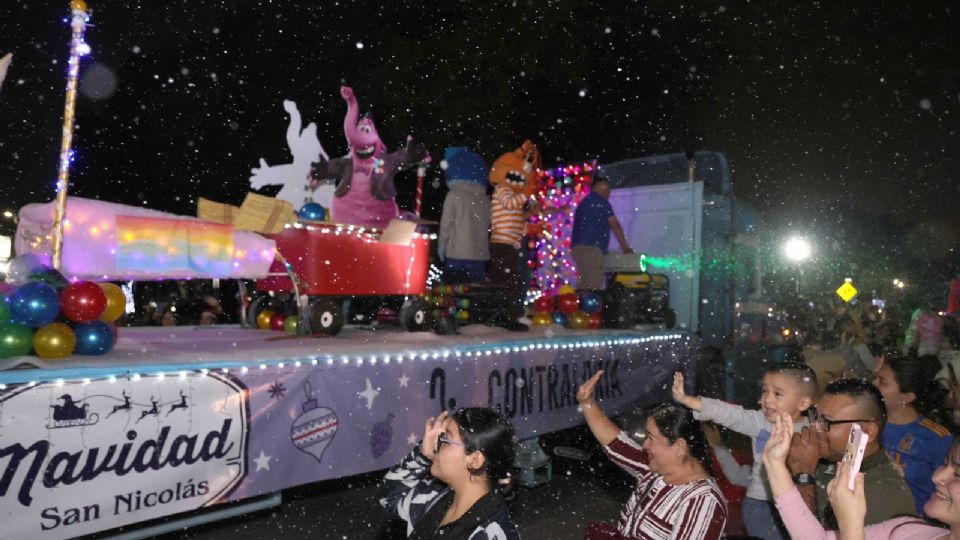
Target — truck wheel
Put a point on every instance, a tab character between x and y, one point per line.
415	315
324	317
445	325
669	318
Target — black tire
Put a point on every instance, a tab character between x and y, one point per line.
415	315
324	316
669	318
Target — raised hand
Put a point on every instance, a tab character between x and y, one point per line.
804	452
850	507
585	392
778	446
289	106
431	432
678	392
347	93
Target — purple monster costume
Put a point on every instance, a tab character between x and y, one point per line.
365	193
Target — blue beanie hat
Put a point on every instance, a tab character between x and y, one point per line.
465	166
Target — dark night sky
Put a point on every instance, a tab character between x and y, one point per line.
822	110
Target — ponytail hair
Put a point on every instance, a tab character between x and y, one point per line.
917	374
488	432
676	422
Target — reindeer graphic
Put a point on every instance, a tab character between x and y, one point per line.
154	411
182	405
124	407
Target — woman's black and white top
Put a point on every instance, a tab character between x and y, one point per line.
410	493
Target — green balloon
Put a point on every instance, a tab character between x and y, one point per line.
4	311
290	325
15	340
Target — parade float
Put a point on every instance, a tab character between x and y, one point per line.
148	423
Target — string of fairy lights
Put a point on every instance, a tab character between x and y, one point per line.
454	353
561	188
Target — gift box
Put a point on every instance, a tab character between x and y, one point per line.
208	210
265	215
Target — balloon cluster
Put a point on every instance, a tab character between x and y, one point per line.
444	300
41	312
278	321
568	309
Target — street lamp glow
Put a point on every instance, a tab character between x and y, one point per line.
797	249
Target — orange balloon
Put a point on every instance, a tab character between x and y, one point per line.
116	302
55	340
263	319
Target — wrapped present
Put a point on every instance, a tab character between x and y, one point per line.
265	215
222	213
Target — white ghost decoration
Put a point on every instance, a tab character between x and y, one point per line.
294	177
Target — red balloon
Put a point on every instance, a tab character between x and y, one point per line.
276	321
544	304
594	321
83	301
568	303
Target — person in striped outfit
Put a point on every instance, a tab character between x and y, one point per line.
675	497
515	177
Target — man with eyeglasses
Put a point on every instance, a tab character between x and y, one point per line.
817	449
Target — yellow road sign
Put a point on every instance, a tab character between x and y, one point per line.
847	291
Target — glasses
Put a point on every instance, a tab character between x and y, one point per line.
441	440
822	424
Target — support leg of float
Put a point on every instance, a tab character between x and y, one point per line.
532	463
228	511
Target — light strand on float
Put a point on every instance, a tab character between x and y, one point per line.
80	17
454	353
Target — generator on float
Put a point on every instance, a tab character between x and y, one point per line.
634	298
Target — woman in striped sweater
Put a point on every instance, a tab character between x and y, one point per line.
675	497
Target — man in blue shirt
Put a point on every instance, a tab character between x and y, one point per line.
592	224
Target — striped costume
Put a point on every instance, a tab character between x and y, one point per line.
507	220
657	509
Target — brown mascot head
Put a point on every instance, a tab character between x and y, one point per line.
518	170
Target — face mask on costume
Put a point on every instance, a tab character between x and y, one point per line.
518	170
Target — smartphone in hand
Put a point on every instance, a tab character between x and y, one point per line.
856	445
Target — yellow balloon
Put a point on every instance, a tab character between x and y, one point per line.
116	302
55	340
263	319
542	319
578	320
566	289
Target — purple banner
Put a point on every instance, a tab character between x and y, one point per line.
86	455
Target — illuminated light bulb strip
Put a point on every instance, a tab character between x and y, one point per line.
366	233
78	24
160	373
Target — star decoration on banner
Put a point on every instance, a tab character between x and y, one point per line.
412	439
277	390
404	380
369	394
263	462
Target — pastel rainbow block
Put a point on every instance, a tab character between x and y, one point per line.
109	241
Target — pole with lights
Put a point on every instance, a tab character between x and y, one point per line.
79	18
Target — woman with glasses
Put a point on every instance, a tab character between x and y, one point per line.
912	438
450	486
850	507
675	497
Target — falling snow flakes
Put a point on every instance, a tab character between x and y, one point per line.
135	49
925	104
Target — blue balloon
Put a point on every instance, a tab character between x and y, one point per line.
312	211
559	319
590	303
34	304
94	338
